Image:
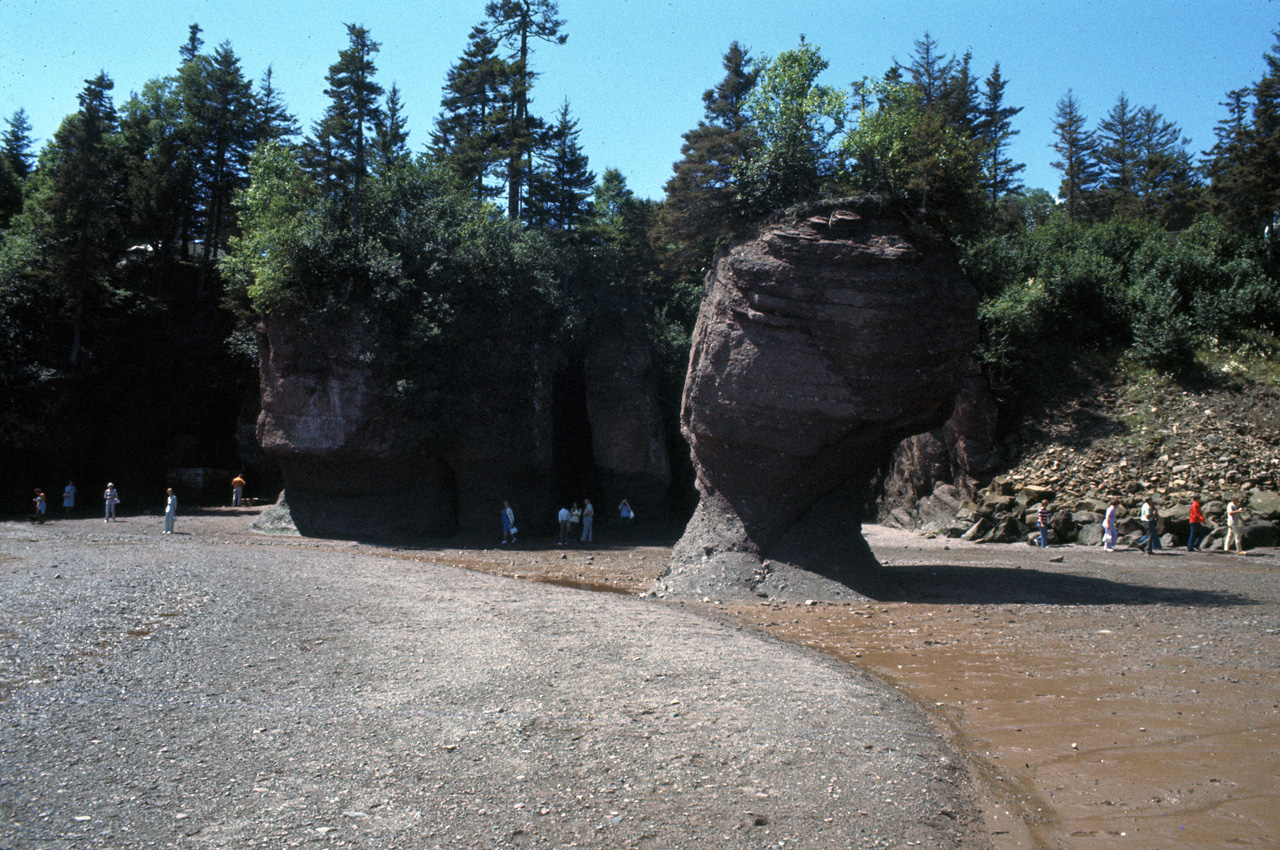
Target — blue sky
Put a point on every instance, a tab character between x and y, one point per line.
633	71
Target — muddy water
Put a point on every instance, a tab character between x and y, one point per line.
1091	725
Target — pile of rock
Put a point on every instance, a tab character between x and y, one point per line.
1005	512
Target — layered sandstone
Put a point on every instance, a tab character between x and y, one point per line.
822	342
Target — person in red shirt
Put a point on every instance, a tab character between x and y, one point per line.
1196	520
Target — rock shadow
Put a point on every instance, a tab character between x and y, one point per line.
951	584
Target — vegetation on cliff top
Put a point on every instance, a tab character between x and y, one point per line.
197	205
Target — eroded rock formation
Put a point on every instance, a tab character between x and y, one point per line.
352	467
822	342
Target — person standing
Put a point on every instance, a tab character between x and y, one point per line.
237	490
1110	526
1235	526
170	511
112	498
1042	523
508	523
588	514
41	504
575	520
625	514
564	517
68	498
1150	520
1195	520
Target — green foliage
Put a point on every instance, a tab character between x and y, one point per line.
795	119
904	150
436	276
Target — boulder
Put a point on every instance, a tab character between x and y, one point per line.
1265	504
822	342
1260	533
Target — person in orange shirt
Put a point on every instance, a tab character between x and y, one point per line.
1196	520
237	491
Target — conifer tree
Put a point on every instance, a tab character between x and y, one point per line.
1118	154
16	143
994	131
474	111
276	122
701	206
337	149
561	184
1076	146
83	200
517	24
391	134
225	129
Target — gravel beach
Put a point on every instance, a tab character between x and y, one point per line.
218	688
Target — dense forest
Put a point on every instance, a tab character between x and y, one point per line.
143	243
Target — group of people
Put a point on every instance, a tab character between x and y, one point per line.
575	521
1149	516
111	498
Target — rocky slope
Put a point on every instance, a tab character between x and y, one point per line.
1092	440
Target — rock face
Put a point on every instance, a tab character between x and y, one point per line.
626	426
353	468
822	342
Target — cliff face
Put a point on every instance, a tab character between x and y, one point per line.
820	345
353	468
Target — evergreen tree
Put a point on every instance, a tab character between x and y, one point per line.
1245	179
16	144
1076	146
161	171
337	147
276	122
561	184
225	128
83	200
931	70
518	23
474	112
1118	156
701	206
994	131
1165	180
391	134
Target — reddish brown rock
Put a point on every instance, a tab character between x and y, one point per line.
821	343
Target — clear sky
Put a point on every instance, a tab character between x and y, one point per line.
633	71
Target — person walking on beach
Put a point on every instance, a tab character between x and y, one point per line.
41	504
1042	523
68	498
1195	521
1150	520
112	499
508	523
1110	528
170	511
1235	526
